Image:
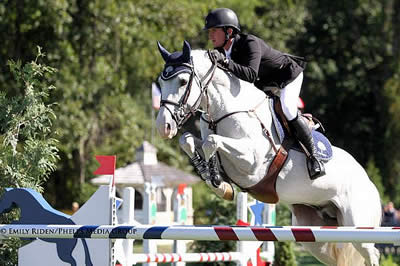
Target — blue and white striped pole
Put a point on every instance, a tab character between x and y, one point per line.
207	233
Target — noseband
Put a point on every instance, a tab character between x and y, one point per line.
179	114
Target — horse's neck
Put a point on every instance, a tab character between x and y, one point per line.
227	94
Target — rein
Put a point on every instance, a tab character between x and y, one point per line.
179	115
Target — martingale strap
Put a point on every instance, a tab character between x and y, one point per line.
265	190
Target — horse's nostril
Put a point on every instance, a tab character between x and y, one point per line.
168	126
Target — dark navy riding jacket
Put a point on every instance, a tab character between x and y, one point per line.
255	61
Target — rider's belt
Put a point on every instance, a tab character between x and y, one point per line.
265	190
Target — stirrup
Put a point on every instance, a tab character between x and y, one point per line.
215	177
315	172
200	166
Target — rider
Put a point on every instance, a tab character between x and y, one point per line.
252	60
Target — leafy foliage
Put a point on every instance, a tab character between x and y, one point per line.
106	54
28	152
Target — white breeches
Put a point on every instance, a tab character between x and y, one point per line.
289	97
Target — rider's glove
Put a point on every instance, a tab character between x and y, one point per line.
219	58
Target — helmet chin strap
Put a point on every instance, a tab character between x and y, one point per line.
227	37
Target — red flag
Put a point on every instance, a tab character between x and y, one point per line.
107	165
181	188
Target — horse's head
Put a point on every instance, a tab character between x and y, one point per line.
181	90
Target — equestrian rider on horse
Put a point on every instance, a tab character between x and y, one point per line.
252	60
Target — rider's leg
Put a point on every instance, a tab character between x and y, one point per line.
289	97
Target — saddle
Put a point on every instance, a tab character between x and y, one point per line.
265	190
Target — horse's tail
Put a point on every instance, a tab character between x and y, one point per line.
345	254
88	260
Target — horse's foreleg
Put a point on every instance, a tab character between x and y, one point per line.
189	144
241	152
192	147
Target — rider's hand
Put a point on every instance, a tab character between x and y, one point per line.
219	58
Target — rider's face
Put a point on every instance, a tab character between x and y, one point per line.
216	36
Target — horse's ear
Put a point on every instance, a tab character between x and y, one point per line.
164	53
186	51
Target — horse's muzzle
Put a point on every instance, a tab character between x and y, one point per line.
166	126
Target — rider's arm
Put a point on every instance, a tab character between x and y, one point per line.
247	67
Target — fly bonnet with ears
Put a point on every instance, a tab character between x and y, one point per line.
176	62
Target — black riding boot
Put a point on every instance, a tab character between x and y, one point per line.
303	134
215	177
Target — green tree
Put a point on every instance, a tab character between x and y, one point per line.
392	155
105	101
376	177
353	53
346	72
28	152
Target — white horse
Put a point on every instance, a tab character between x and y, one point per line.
345	196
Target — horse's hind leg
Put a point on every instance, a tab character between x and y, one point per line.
369	252
307	216
365	210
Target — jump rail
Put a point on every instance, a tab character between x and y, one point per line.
188	257
207	233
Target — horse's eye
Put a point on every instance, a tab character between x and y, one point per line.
183	82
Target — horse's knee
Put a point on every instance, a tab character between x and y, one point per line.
187	143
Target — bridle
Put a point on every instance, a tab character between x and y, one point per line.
179	114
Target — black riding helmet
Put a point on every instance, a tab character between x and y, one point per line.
222	18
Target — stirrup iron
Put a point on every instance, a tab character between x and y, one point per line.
311	169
